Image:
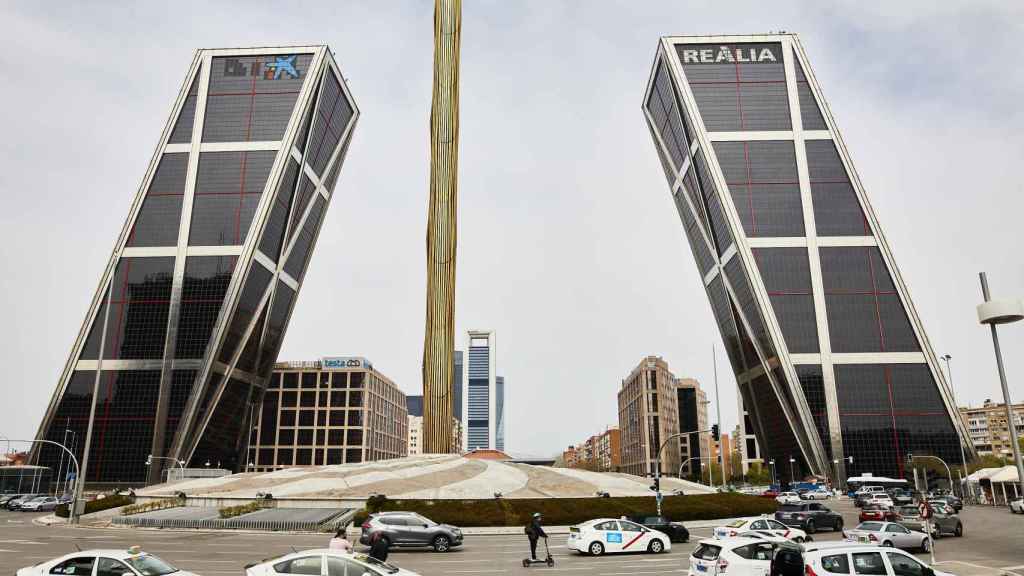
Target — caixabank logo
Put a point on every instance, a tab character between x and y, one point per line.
272	68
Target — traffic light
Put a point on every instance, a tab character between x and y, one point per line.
657	485
714	432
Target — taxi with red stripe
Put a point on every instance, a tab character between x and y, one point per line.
763	524
609	536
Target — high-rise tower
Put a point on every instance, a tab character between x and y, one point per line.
184	328
830	356
438	364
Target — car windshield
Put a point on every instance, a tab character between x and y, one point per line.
707	552
870	526
376	563
150	565
736	523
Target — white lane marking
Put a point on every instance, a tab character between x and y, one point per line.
629	573
20	542
1018	567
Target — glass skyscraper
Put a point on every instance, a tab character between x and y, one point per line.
185	325
830	356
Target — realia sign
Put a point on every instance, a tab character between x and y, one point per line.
730	54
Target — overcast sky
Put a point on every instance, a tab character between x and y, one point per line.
569	244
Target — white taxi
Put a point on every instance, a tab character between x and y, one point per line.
325	561
607	535
130	562
733	556
761	524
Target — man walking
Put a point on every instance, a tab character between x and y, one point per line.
535	532
379	547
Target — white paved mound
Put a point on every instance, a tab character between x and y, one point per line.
625	484
322	484
498	477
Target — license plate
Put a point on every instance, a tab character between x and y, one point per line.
863	539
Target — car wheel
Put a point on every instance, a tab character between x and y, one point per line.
798	540
442	543
810	528
937	533
959	530
655	547
838	525
596	549
926	545
887	544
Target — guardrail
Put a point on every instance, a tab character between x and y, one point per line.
331	524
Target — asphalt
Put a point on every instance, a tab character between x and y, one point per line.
993	544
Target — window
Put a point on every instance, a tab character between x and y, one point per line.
896	529
903	565
309	565
776	525
631	527
869	563
759	525
707	552
77	566
345	567
837	564
610	525
111	567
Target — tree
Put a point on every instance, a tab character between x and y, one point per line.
757	474
985	461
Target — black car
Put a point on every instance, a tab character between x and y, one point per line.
675	531
809	517
954	502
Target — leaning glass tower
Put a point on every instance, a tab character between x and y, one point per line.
185	325
830	356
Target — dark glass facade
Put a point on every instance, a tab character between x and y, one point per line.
801	287
177	348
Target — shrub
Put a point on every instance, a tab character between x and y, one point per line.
232	511
152	505
568	511
91	506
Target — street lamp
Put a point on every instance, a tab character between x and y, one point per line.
993	312
792	476
180	463
772	464
963	454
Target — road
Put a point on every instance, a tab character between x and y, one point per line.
993	544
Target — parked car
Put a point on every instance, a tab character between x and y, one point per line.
15	503
1017	506
130	562
411	529
607	535
765	524
862	496
836	558
809	517
877	512
901	497
788	498
881	498
41	504
675	531
888	534
322	561
953	501
818	494
733	556
7	498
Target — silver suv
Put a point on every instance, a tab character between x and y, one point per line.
410	529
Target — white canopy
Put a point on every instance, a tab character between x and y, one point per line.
1005	474
983	474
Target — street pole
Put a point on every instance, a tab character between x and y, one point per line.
718	411
1002	376
72	516
657	463
952	391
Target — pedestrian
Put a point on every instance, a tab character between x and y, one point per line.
535	532
339	542
379	546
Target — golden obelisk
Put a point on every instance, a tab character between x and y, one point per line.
439	342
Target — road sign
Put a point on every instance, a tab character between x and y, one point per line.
924	509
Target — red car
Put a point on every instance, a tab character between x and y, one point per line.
769	494
877	512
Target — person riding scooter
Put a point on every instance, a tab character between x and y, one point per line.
535	532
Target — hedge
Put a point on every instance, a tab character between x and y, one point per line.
152	505
569	511
232	511
96	505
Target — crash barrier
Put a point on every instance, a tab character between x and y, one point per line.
179	474
271	520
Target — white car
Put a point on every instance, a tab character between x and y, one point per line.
40	504
733	556
788	498
607	535
816	495
133	562
760	524
324	561
836	558
1017	506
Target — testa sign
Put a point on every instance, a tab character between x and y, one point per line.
729	54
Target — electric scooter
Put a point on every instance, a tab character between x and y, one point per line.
549	560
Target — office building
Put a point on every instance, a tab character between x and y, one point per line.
830	355
721	454
180	337
746	439
648	415
414	404
336	410
599	453
483	403
415	435
695	447
990	433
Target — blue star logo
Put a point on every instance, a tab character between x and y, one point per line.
282	65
